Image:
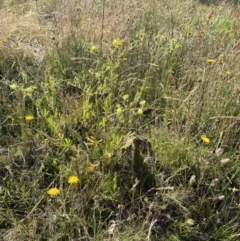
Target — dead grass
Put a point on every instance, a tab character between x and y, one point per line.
37	29
22	32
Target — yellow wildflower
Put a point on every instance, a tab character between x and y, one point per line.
13	86
30	89
210	60
117	43
53	191
228	72
29	117
140	34
119	110
73	179
205	139
142	103
140	111
93	48
125	97
97	75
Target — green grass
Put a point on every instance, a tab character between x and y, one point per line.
119	95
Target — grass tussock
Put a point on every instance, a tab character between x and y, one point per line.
119	120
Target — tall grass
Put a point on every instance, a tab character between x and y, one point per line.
119	120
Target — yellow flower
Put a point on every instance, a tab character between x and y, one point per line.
53	191
210	61
13	86
140	111
97	75
140	34
93	48
29	117
117	43
142	103
73	179
205	139
30	89
125	97
119	111
228	72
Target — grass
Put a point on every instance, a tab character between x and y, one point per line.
119	120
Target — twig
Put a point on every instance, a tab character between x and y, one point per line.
225	117
36	205
150	228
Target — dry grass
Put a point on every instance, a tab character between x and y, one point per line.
35	29
22	32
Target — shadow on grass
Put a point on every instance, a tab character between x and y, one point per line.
217	2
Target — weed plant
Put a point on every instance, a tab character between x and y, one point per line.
119	120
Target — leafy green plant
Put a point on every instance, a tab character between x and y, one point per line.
119	122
